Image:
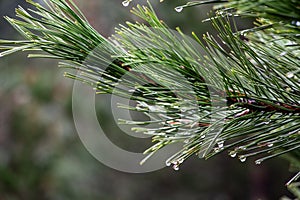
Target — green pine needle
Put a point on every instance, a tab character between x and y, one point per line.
242	96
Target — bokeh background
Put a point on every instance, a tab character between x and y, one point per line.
41	156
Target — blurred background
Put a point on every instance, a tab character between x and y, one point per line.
41	156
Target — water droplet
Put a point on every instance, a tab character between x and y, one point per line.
180	160
283	53
242	148
270	144
288	89
186	141
175	162
126	3
176	167
131	90
178	8
232	154
290	75
221	144
258	162
168	163
202	136
242	158
217	149
296	23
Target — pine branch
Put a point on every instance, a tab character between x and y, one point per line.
253	111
